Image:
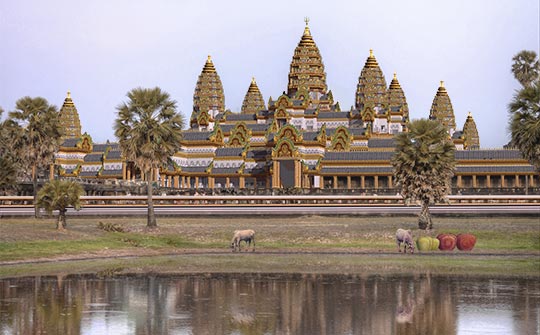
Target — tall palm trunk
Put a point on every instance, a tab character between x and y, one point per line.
61	223
35	192
424	220
151	222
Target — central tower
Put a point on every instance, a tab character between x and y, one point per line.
307	69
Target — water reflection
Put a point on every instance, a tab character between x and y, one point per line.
268	304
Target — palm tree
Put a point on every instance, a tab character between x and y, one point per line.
40	135
58	195
149	132
526	67
8	170
525	122
424	165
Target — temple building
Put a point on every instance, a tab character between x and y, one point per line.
301	139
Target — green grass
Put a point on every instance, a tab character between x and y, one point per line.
370	241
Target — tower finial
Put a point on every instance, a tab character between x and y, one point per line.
370	52
209	58
442	83
306	20
69	94
253	80
469	115
395	76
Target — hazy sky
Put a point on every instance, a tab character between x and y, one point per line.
101	49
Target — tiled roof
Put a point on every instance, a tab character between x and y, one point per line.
258	127
357	169
111	172
88	174
191	135
333	115
495	169
487	154
258	153
381	143
359	156
224	170
93	157
310	135
241	117
100	147
229	152
114	155
70	142
227	127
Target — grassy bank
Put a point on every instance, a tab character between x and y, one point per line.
506	245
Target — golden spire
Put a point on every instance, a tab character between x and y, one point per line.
371	61
306	29
209	66
469	115
69	118
442	83
311	77
395	76
253	101
370	52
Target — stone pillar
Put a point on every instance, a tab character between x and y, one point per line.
517	183
390	185
349	182
488	181
176	181
474	181
503	182
211	182
128	173
459	184
275	175
334	181
242	182
362	181
51	172
196	182
227	182
376	182
298	174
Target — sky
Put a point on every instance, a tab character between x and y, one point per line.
101	49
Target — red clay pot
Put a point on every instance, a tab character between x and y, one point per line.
447	242
466	242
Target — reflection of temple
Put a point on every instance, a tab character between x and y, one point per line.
301	139
261	304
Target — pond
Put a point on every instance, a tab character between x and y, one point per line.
268	304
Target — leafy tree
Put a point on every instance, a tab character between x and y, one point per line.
423	165
40	135
149	132
525	108
58	195
526	67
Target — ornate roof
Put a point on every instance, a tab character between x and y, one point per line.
371	89
501	154
442	110
209	90
472	140
69	119
396	98
253	101
307	69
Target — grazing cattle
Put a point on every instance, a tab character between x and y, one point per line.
247	236
405	237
